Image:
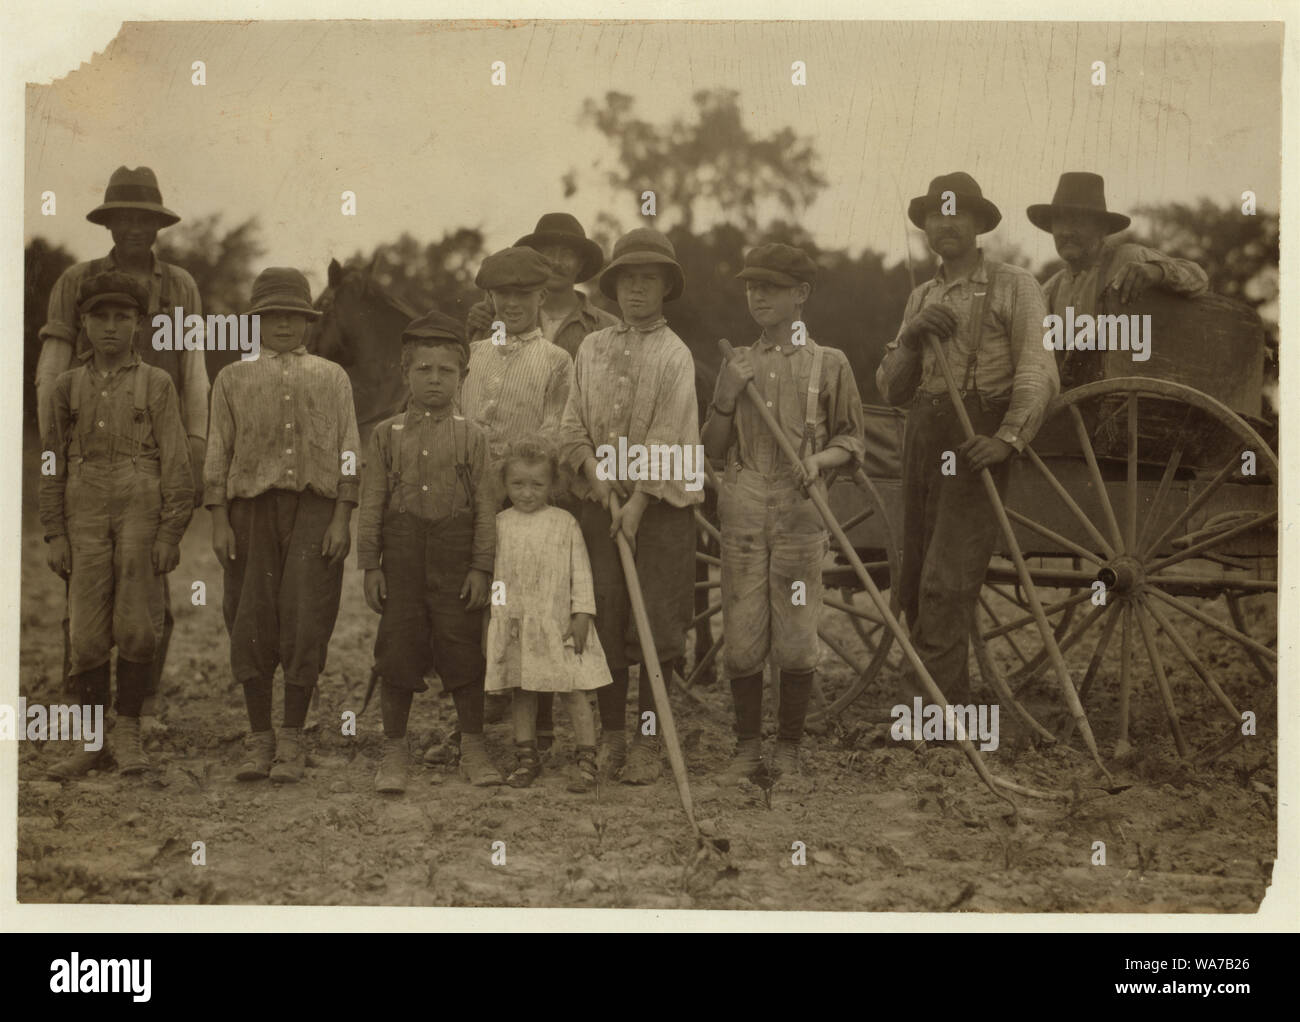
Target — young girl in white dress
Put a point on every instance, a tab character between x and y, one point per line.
540	636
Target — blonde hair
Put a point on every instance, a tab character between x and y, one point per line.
530	450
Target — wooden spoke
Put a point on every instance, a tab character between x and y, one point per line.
1212	585
1162	681
1239	619
1193	661
1051	608
1193	506
704	615
1093	533
708	527
1205	619
1107	630
703	663
1125	680
1162	491
712	583
1130	532
1055	537
990	672
998	621
707	559
1213	541
839	649
1034	668
851	609
1090	456
857	519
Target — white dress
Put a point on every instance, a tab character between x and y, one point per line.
542	562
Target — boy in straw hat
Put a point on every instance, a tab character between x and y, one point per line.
1079	222
133	212
281	481
990	317
115	509
426	541
634	383
772	535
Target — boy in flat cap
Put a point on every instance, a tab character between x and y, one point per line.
990	317
772	535
281	481
426	541
115	508
1079	222
518	385
133	212
634	383
567	315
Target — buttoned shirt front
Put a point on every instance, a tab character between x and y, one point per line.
284	420
62	326
516	389
1011	364
781	376
425	482
635	383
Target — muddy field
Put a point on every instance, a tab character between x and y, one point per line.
885	828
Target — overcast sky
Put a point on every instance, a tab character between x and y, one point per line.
403	113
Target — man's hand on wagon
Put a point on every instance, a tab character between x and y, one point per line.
1135	278
985	452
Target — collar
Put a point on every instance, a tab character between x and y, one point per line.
625	327
980	275
88	360
418	411
516	341
300	350
764	344
155	267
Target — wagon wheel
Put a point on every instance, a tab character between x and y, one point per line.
1144	584
850	628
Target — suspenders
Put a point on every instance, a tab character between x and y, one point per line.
460	437
978	303
141	420
808	445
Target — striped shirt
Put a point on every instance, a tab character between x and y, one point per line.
516	389
426	482
63	325
1012	364
283	421
638	384
1066	289
781	374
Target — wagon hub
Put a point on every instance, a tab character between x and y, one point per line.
1122	575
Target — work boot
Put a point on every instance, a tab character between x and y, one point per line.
79	764
259	749
582	775
391	778
613	752
129	753
748	757
476	765
290	757
786	770
644	764
528	766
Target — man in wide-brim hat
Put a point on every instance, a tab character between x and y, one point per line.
1080	223
990	317
134	213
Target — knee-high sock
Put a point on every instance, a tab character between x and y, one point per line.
612	699
795	690
296	700
257	697
747	692
395	705
469	708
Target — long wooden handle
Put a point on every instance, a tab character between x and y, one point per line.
650	666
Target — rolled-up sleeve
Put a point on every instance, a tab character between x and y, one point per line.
899	372
1181	276
1036	379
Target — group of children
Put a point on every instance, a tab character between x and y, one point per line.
484	497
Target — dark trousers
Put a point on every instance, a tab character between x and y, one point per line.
665	564
281	596
160	657
425	623
949	535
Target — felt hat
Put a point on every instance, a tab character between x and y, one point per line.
969	199
111	286
513	267
281	289
643	247
564	229
436	326
780	264
132	189
1078	192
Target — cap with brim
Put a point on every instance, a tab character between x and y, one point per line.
564	229
111	286
967	197
643	247
435	327
779	264
1078	192
517	267
281	289
132	190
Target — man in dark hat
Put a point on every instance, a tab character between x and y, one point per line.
772	536
990	317
1080	223
567	315
134	213
427	541
115	509
281	481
